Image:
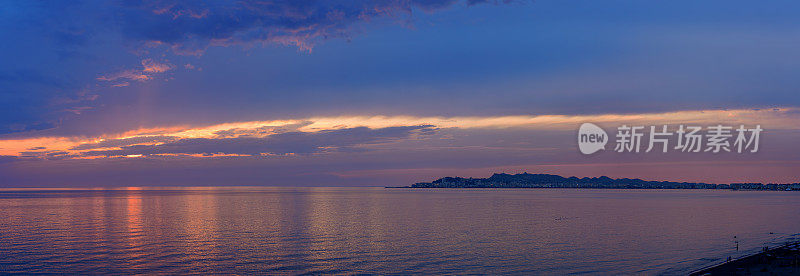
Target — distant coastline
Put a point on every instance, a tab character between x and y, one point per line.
526	180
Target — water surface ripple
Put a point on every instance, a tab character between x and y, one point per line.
270	230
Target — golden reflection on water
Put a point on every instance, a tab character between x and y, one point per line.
200	224
365	230
134	218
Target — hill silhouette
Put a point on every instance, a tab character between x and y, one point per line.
526	180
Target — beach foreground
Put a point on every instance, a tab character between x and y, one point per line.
784	260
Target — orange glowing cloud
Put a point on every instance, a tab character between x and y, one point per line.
149	68
79	147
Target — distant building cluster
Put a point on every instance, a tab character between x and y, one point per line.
526	180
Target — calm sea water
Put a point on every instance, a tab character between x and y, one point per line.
387	231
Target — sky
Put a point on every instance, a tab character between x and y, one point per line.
386	92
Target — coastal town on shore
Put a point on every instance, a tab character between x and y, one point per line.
526	180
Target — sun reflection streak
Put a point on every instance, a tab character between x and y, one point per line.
134	224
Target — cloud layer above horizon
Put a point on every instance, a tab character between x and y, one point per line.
287	84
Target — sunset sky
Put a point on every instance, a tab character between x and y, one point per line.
386	92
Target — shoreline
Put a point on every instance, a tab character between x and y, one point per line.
782	260
586	188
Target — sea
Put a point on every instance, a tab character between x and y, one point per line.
373	230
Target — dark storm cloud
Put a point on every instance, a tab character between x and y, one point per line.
283	143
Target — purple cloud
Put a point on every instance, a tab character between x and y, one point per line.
282	143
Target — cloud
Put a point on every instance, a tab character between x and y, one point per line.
148	70
320	134
46	155
151	66
89	45
189	27
21	103
277	144
8	159
129	74
122	142
260	131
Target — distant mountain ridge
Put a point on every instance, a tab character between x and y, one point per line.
526	180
